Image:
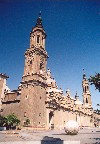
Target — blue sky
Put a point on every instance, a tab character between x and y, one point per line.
73	39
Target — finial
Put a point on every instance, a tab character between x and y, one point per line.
68	92
48	70
76	95
83	71
84	75
49	73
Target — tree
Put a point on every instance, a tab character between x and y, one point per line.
95	80
11	121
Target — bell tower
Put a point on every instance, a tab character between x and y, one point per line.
86	92
36	56
33	91
38	35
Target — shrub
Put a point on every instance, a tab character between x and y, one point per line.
2	121
27	122
11	121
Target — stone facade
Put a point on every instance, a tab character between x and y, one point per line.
38	97
62	108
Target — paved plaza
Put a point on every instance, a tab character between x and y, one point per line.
85	136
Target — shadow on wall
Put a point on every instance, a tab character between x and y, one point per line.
51	140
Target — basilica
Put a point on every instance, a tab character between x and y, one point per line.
38	97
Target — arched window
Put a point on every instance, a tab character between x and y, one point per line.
86	100
50	116
26	96
24	114
85	89
38	38
31	62
41	65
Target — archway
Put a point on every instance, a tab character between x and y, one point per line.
51	124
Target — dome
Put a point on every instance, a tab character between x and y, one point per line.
78	102
68	90
55	90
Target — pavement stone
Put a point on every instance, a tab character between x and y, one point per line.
85	136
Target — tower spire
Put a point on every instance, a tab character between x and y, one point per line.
86	92
84	75
38	35
39	21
